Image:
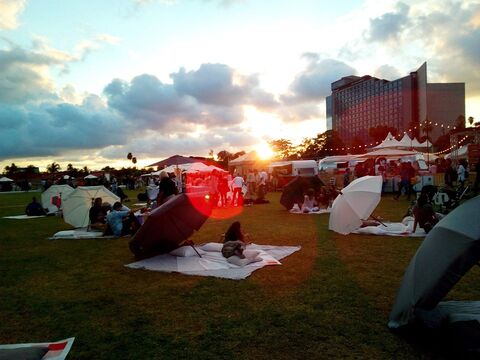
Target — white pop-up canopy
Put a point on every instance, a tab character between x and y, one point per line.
461	152
387	153
389	142
77	205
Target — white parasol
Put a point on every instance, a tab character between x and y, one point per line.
355	203
62	191
77	205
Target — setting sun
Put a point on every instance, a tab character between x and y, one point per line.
264	151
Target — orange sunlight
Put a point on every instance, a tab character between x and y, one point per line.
264	151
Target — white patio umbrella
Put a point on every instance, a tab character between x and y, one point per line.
77	205
90	176
355	203
62	191
450	249
5	179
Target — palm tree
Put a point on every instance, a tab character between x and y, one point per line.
12	169
53	168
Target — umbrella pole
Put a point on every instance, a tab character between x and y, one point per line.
377	219
191	243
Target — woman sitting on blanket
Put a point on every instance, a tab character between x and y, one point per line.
424	215
234	247
309	202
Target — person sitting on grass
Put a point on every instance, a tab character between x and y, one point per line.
309	202
423	214
121	220
97	215
234	247
34	208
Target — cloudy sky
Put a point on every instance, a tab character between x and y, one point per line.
86	82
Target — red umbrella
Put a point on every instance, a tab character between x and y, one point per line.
170	224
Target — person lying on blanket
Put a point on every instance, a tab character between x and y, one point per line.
234	247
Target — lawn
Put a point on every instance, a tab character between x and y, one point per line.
329	300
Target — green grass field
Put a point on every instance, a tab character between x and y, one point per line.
329	300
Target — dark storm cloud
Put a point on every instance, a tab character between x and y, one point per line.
389	25
51	129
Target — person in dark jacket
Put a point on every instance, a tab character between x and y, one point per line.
34	208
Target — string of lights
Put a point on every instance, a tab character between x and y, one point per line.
460	142
421	125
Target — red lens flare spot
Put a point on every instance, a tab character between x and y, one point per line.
211	195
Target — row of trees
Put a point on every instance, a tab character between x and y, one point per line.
329	143
55	168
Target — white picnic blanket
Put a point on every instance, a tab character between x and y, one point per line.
296	210
23	217
80	233
212	263
57	350
404	228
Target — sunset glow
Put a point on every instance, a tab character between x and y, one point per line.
264	151
145	76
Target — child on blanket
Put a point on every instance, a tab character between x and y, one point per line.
309	202
234	247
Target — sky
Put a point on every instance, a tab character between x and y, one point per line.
87	82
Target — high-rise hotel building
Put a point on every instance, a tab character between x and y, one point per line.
360	103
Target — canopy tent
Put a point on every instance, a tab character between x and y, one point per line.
198	167
77	205
244	163
448	252
173	168
174	160
430	157
216	168
5	179
248	158
405	142
426	144
388	142
461	152
387	153
55	195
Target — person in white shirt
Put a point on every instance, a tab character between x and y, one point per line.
262	185
237	185
461	174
